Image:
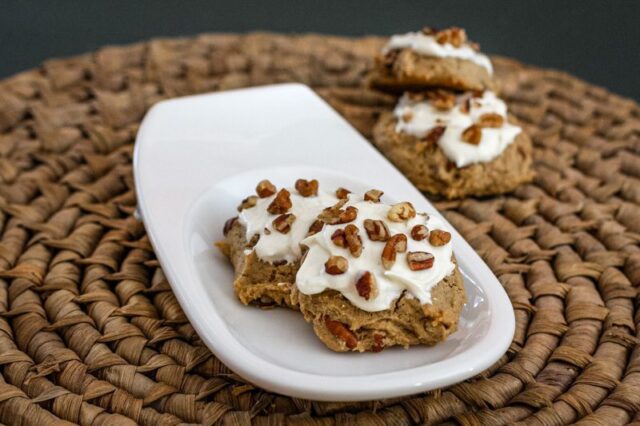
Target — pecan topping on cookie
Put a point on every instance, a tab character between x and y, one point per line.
248	202
434	135
339	238
336	265
490	119
307	188
353	240
283	222
335	215
395	244
315	227
373	195
342	332
438	237
466	106
228	225
265	189
376	230
441	99
419	232
366	285
472	134
454	36
419	260
401	212
342	193
281	203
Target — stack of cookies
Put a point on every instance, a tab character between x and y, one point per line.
450	133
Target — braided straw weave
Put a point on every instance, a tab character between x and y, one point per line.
91	333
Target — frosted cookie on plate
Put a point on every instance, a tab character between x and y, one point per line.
263	242
377	276
431	58
455	144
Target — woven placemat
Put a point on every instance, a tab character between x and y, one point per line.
91	333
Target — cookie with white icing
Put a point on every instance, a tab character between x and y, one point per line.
455	145
429	58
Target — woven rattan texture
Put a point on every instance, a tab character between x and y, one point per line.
91	333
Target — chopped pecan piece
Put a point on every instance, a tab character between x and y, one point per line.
490	119
407	116
472	134
253	241
334	216
315	227
466	106
354	242
376	230
401	212
336	265
441	99
438	237
348	215
339	238
281	203
228	225
419	260
342	193
342	332
395	244
419	232
373	195
366	285
434	135
307	188
248	202
454	36
283	222
265	189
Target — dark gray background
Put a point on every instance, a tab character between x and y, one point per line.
596	40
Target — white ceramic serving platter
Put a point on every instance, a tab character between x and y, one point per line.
197	157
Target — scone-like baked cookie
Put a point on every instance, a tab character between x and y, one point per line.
257	282
468	148
425	59
343	327
263	242
385	278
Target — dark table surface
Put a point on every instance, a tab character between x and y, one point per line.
595	40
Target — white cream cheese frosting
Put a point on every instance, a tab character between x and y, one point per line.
312	277
423	116
274	246
427	45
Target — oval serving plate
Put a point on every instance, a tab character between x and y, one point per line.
197	157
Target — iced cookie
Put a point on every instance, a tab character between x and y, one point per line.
455	145
263	242
429	58
386	276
